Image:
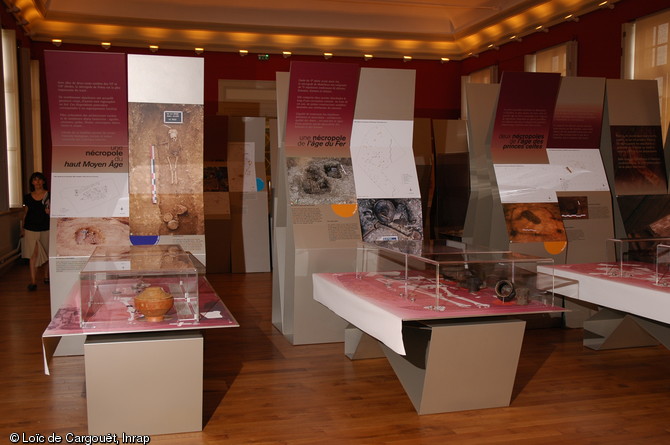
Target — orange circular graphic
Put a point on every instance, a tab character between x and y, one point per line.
344	210
555	247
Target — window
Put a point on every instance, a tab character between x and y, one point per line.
485	75
36	117
557	59
646	57
11	83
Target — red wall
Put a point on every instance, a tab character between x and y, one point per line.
438	86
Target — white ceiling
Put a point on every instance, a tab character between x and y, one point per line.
385	28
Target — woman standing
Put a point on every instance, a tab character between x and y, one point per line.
35	230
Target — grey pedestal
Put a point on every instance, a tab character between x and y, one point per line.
359	345
611	329
459	365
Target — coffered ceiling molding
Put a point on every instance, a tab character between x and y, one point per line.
423	29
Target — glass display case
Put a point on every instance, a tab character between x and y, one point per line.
139	284
454	274
635	257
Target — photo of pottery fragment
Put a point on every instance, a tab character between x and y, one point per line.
166	169
315	181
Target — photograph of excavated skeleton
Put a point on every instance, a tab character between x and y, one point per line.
166	162
316	181
390	219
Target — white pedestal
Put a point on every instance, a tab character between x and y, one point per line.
144	384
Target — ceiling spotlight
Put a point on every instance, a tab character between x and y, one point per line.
473	55
571	18
243	52
444	59
105	45
286	54
406	58
606	4
199	50
541	28
367	57
515	38
56	42
492	46
327	55
153	48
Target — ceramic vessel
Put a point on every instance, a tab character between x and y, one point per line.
153	303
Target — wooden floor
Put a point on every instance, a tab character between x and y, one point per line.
261	389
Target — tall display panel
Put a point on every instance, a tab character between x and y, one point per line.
546	177
484	203
520	160
423	157
127	159
250	233
89	182
385	173
283	247
583	192
345	160
634	159
452	179
216	195
165	123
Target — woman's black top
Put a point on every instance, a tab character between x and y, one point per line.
37	219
